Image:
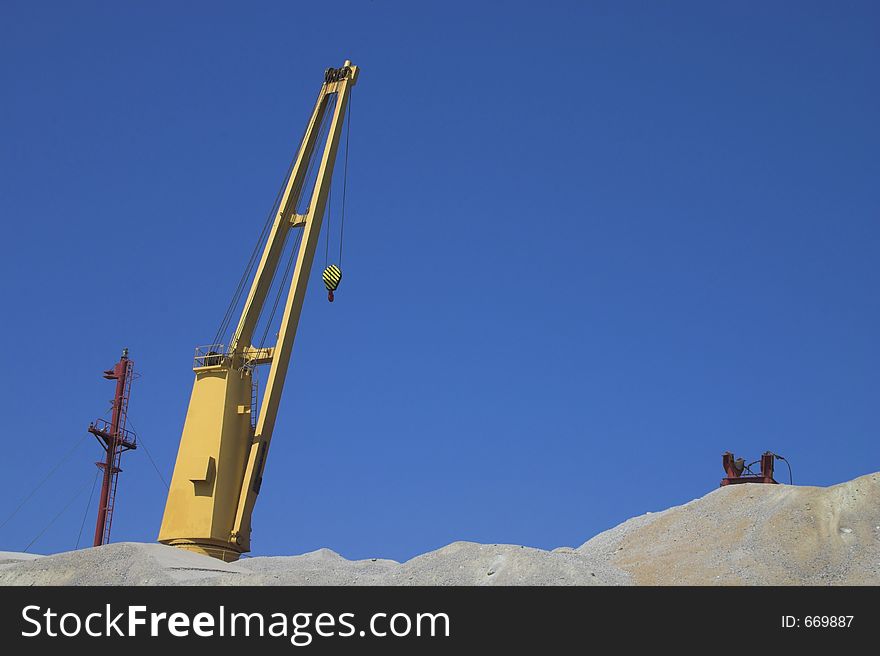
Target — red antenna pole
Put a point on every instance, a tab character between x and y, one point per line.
115	439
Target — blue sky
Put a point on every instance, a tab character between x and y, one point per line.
589	246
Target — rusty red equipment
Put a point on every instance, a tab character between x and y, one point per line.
115	439
736	468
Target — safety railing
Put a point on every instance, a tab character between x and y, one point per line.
104	429
210	355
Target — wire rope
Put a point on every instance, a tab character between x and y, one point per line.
140	440
88	505
64	459
345	175
55	518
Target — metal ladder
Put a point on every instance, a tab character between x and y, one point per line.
117	451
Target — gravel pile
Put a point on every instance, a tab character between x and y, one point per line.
739	535
753	535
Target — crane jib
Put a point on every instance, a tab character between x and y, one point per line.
228	427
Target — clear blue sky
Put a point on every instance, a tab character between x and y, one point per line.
589	247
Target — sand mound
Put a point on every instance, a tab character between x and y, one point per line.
744	534
755	534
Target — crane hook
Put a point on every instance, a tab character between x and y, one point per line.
332	277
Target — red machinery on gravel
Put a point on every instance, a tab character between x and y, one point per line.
739	472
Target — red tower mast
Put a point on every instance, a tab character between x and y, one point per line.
115	439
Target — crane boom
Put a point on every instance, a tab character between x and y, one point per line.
222	454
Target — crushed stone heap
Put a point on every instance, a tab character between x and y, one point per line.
747	534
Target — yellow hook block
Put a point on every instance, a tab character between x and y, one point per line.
332	277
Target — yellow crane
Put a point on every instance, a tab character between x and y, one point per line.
222	454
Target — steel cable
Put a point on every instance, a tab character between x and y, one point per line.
88	505
47	477
55	518
345	175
